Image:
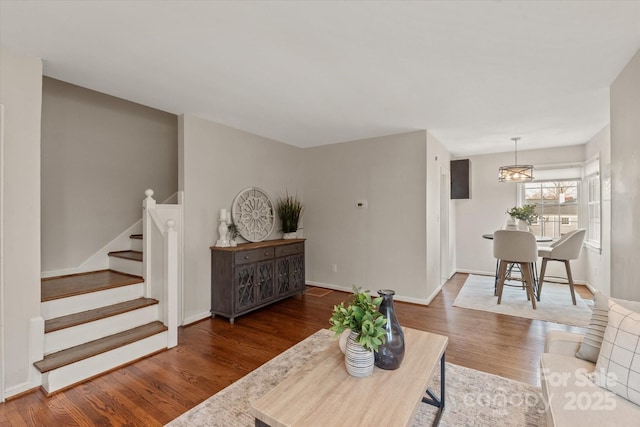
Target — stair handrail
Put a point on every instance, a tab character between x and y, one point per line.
162	260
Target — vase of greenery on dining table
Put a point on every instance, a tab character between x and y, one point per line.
525	215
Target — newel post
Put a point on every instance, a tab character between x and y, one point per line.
171	275
147	203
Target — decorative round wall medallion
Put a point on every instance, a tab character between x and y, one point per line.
252	213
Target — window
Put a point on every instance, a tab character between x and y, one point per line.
556	204
592	181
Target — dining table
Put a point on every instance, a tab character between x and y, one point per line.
539	239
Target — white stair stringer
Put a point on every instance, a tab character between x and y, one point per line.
127	266
73	373
79	334
75	304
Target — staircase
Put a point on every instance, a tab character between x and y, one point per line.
126	261
98	321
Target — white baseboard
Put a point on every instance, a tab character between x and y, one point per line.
329	286
590	287
477	272
195	318
433	295
420	301
19	388
64	272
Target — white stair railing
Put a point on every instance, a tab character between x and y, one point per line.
162	227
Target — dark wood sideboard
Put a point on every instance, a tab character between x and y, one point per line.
253	275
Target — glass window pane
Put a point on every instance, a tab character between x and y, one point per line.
556	204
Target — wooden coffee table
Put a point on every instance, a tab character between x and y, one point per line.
324	394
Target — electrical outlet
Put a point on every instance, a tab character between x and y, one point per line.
334	268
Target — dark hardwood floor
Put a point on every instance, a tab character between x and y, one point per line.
213	354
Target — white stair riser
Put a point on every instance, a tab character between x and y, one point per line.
76	372
84	302
136	245
80	334
127	266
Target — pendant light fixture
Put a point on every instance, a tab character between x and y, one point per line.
515	172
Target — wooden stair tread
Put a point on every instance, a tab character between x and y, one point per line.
136	236
132	255
99	346
75	319
77	284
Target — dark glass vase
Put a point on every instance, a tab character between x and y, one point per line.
391	353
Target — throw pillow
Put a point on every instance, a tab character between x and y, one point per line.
590	347
618	367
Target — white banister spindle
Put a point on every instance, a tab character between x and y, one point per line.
171	274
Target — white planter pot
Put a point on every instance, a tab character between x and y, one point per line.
358	360
293	235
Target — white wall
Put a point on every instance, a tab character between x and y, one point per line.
485	211
625	181
598	264
437	161
384	245
99	155
21	95
216	163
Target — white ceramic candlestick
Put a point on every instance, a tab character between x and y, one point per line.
223	229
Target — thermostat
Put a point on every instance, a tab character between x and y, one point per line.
362	204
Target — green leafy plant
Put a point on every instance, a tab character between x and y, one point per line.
233	231
289	210
525	213
361	316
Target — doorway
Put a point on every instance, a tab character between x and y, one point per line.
445	189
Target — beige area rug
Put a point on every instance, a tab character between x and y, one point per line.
555	303
473	398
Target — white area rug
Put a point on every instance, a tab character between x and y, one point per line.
473	398
555	303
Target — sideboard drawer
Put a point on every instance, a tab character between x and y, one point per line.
285	250
254	255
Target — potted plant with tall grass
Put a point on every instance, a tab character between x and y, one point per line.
289	210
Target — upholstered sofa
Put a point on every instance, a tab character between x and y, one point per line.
568	382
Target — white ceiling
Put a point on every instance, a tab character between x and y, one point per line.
311	73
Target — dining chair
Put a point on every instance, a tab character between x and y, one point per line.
516	247
565	249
